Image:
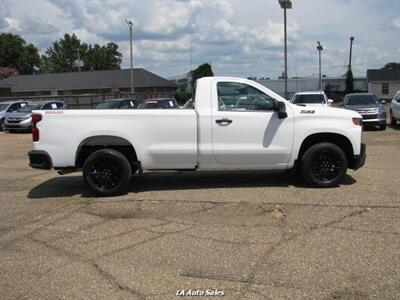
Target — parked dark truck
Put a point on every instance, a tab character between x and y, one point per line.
369	107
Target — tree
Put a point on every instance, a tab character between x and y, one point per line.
392	66
349	81
15	53
203	70
182	96
62	56
105	57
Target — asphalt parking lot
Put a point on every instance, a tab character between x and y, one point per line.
252	235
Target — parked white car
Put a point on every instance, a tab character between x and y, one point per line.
314	98
395	109
235	124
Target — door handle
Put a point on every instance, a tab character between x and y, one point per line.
224	120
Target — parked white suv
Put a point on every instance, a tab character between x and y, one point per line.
395	109
315	98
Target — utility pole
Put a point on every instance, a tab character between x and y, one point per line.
130	24
320	48
285	4
351	49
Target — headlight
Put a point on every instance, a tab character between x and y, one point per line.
357	121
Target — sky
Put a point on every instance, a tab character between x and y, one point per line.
239	37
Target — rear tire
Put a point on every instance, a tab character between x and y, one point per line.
323	165
107	172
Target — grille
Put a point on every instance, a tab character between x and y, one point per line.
368	117
13	120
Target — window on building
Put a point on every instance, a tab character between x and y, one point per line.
385	88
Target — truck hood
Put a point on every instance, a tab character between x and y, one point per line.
324	110
363	107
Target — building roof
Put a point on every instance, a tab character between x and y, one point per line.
85	80
383	75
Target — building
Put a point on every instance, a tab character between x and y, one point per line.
335	85
183	81
89	82
384	83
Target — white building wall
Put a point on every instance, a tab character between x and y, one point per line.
376	88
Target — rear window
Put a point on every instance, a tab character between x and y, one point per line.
52	105
311	99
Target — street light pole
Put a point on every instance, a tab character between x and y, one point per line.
130	24
320	48
351	48
285	4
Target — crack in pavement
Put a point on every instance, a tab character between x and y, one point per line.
366	231
89	262
295	236
40	228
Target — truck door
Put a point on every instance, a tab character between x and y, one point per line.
246	129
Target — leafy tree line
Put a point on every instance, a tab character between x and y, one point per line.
61	56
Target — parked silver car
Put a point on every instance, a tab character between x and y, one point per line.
8	107
369	107
21	120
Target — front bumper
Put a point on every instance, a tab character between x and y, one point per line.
39	159
22	125
359	160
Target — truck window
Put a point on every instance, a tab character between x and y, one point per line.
234	96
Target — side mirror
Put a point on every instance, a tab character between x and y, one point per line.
330	101
383	101
280	108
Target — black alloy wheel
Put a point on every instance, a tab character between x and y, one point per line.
324	165
107	172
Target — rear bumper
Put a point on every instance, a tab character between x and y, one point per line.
359	160
39	159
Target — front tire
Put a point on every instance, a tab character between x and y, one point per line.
107	172
323	165
382	126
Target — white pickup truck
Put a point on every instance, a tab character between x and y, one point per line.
235	124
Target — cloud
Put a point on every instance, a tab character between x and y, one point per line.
396	23
239	37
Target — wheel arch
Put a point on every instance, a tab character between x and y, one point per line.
94	143
338	139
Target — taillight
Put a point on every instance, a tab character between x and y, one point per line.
35	131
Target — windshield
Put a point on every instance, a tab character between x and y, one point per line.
26	109
311	98
362	100
108	104
3	107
